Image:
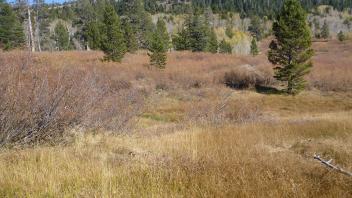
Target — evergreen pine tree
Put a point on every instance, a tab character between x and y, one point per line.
317	29
11	31
212	42
93	35
181	41
62	37
145	30
291	50
325	33
130	36
225	47
229	30
341	36
140	20
157	49
161	27
198	34
254	47
113	42
256	28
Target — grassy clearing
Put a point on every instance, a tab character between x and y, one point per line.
273	158
189	135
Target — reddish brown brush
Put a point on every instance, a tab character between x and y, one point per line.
39	103
42	94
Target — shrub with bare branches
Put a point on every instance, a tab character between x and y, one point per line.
38	104
225	109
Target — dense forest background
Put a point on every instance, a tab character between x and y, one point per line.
233	23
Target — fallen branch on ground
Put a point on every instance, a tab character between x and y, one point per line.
334	167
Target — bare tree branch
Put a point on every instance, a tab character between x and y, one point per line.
329	165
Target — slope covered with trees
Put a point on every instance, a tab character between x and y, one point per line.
80	24
11	31
264	7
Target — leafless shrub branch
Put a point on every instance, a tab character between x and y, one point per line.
38	104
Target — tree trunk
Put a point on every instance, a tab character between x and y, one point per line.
290	86
31	39
37	30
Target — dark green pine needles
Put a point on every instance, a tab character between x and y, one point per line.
254	47
11	31
158	45
113	42
291	49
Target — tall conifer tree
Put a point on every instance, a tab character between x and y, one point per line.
161	27
62	37
212	42
256	28
130	36
198	34
93	34
325	32
254	47
11	31
113	42
158	47
291	49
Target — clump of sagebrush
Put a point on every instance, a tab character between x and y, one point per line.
291	49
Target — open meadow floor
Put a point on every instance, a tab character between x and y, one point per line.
181	132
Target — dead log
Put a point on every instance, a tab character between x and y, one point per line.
328	164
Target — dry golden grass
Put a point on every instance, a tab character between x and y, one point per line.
270	157
254	160
195	137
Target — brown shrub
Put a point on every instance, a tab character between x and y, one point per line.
38	104
243	77
225	109
332	66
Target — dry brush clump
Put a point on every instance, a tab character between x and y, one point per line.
224	109
331	71
332	67
246	76
38	104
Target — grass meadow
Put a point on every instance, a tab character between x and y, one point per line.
128	130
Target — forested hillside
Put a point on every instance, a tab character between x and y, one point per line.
265	7
79	25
